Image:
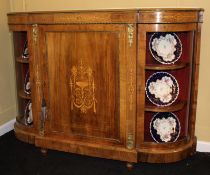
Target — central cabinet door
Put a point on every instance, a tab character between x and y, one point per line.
85	82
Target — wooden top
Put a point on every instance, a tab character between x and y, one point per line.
110	10
146	15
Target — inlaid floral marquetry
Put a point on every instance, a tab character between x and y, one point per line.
82	88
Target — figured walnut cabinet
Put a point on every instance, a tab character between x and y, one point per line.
88	75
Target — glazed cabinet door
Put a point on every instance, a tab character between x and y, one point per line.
89	87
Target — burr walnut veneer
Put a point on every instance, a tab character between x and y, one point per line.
88	71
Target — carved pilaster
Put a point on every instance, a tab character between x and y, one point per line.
131	86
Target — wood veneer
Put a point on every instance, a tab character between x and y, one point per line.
111	48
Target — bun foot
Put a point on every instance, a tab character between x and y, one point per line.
43	151
129	166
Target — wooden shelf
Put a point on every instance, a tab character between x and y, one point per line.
21	60
20	120
166	145
172	108
22	94
166	67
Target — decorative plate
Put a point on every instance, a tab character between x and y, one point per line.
162	89
166	48
165	127
25	54
27	85
28	113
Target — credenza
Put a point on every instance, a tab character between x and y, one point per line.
117	84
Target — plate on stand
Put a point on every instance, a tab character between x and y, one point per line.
27	85
28	113
25	53
165	47
162	89
165	127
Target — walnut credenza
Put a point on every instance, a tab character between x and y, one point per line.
117	84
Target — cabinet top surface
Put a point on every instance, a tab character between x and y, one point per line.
111	10
119	16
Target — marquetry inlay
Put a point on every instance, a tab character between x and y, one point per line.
82	86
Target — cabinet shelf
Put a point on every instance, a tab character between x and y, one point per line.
165	145
22	94
166	67
21	121
172	108
21	60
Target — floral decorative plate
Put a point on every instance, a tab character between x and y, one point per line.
165	127
166	48
25	54
162	89
28	113
27	85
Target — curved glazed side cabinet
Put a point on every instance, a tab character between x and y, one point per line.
117	84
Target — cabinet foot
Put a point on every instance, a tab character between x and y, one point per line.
43	151
129	165
193	153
